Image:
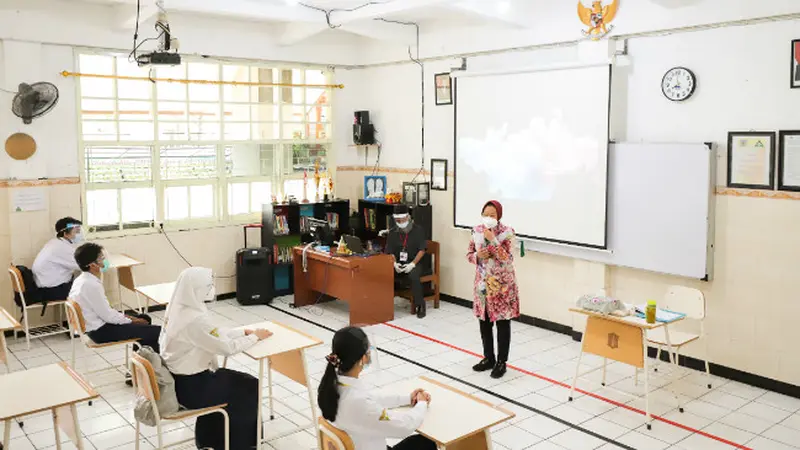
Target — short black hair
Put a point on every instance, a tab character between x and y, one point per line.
86	254
62	225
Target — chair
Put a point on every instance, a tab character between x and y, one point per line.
691	302
146	386
19	287
77	327
332	438
432	249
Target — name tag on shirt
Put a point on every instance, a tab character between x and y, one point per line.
403	257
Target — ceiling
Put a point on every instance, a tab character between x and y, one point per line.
304	19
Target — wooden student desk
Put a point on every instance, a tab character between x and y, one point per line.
455	420
56	387
284	353
621	339
158	294
7	322
124	265
366	284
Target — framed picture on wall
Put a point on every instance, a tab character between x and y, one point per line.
444	92
423	194
374	187
410	194
789	160
795	74
751	159
439	174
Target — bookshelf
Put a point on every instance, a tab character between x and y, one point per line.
376	216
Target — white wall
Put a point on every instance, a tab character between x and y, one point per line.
743	80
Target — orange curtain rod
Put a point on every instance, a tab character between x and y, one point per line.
213	82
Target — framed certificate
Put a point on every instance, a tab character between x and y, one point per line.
789	160
439	174
751	160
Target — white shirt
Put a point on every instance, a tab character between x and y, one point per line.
55	264
366	414
195	348
88	291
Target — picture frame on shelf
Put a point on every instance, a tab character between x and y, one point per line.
751	160
789	160
375	187
410	194
439	174
444	88
423	194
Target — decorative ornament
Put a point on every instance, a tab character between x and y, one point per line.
598	18
316	179
305	186
20	146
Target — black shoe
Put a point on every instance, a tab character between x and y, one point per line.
484	365
499	370
129	382
421	313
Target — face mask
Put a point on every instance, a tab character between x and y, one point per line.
78	238
403	225
372	357
105	266
489	222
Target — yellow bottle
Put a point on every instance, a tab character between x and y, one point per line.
650	312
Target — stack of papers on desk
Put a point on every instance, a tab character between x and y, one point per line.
662	315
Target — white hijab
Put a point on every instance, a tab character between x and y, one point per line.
194	287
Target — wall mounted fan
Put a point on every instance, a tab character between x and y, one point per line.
34	100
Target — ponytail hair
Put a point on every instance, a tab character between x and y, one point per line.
350	344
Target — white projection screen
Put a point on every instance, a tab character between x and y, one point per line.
537	141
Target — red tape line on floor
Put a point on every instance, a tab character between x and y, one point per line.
565	385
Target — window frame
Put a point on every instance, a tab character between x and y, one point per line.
221	216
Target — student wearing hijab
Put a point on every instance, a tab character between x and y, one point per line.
190	343
496	295
406	243
366	414
54	267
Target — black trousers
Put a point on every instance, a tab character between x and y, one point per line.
239	390
147	334
415	442
51	294
503	338
412	278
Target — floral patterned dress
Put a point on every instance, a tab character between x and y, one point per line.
495	285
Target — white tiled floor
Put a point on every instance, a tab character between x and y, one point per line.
448	341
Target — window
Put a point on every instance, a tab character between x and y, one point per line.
177	151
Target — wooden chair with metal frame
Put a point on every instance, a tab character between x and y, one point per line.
688	301
332	438
18	285
147	387
432	249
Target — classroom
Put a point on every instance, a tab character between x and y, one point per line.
531	224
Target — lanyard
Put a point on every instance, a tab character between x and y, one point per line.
405	241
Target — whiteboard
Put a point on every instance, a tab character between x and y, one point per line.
537	141
660	211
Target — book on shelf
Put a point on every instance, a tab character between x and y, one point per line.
333	220
281	225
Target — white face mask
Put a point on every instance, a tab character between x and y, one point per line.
403	225
489	222
78	238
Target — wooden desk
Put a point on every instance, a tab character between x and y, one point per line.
124	265
621	339
284	352
455	420
366	284
7	322
55	387
159	294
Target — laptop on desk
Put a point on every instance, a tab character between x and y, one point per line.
355	245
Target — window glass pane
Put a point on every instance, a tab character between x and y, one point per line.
102	207
172	111
295	188
293	113
237	198
260	194
142	89
237	131
136	131
290	94
264	113
99	131
249	160
318	131
101	65
318	114
302	157
265	131
188	162
138	205
173	131
202	198
97	109
318	96
204	112
294	131
263	94
131	110
237	113
118	164
316	77
176	202
236	93
203	92
208	131
171	91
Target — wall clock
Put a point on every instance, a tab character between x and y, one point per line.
678	84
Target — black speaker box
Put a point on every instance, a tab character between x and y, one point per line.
254	284
361	118
363	134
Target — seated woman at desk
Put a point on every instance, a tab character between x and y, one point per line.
55	267
366	414
190	343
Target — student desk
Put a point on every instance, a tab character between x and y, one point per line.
365	283
621	339
284	353
455	420
124	265
158	294
55	387
7	322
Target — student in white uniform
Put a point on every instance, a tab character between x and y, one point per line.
104	323
366	414
190	343
54	267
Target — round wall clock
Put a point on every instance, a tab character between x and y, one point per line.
678	84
